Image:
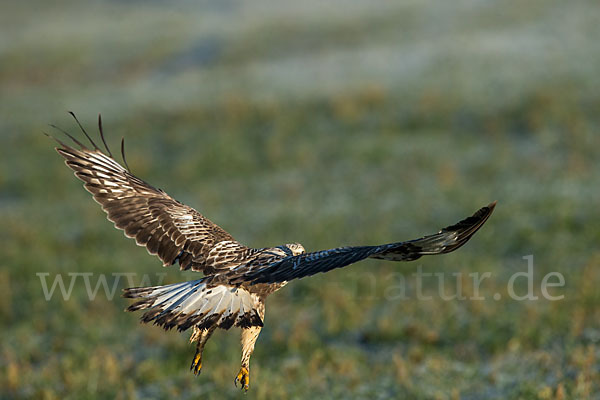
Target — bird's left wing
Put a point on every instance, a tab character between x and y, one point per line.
445	241
173	231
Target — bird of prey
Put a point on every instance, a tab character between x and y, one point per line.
236	279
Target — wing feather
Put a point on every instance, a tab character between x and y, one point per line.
295	267
167	228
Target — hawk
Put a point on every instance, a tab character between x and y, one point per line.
236	279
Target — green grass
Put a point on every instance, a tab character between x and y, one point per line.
304	123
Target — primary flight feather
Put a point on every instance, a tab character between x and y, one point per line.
236	279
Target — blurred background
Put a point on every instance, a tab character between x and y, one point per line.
326	123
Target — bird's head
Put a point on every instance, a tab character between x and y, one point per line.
296	248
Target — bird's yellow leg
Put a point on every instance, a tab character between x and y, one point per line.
249	336
197	362
202	336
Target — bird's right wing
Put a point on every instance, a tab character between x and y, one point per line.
171	230
445	241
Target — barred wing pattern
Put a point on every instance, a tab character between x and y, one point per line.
445	241
167	228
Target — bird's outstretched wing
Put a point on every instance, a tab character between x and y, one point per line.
445	241
166	227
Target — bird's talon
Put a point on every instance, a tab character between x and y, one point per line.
196	364
243	377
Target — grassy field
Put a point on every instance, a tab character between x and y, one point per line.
330	124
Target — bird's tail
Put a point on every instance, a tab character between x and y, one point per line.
196	303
